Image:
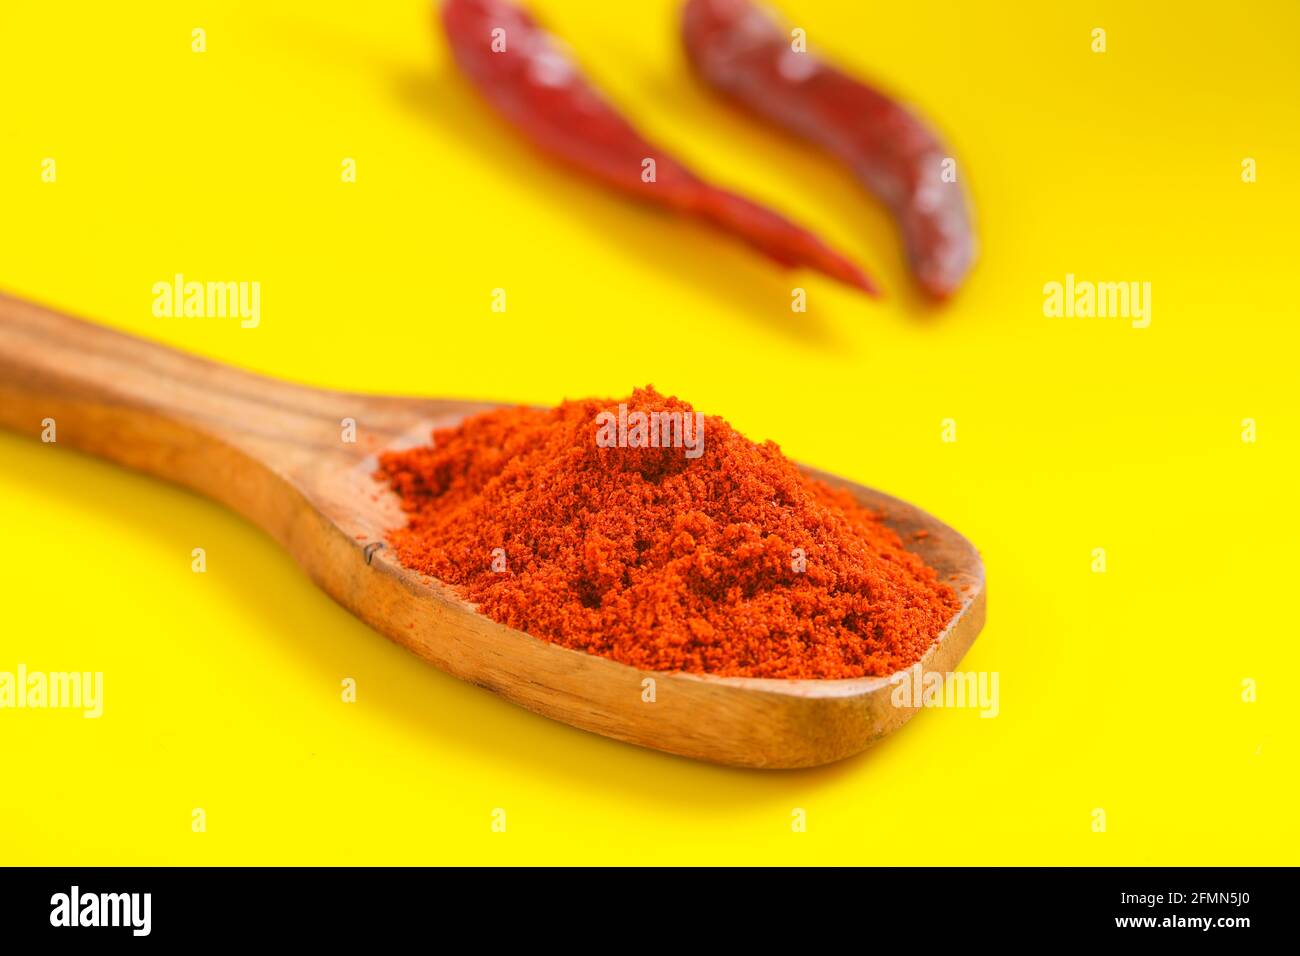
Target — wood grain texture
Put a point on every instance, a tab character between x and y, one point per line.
273	452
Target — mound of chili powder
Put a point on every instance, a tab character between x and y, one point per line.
661	561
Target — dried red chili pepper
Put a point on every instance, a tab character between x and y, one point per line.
526	74
739	50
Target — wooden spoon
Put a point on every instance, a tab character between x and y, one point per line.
275	453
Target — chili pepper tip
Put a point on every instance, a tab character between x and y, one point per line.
852	275
819	256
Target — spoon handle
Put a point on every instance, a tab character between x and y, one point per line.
226	433
146	405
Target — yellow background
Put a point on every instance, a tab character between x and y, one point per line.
1119	691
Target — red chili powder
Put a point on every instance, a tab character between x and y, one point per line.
659	560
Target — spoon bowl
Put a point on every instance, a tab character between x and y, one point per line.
299	463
